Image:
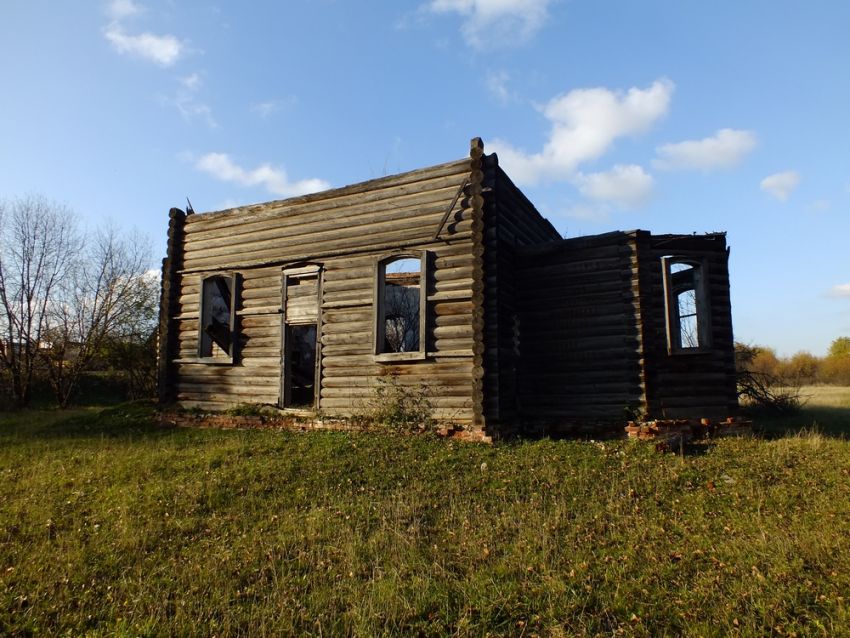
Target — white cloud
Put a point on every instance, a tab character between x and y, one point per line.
274	180
264	109
840	290
191	109
780	185
494	23
187	104
121	9
628	186
192	82
724	150
585	123
161	49
497	84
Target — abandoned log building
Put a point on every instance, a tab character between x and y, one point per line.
449	277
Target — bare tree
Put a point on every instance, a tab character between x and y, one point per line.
106	297
38	241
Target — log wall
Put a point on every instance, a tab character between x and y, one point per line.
580	347
688	384
344	231
593	331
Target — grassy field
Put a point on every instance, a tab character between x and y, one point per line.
112	527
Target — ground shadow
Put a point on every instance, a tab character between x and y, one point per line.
832	421
126	420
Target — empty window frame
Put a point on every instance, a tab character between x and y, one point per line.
217	329
688	318
400	307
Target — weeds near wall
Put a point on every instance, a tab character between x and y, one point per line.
400	408
251	409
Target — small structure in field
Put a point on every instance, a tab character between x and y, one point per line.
445	277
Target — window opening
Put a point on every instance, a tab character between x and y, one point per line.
217	317
687	313
400	307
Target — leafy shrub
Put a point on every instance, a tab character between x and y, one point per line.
403	408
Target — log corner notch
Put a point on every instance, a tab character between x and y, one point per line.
169	292
476	202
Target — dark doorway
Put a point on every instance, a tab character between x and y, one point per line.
300	373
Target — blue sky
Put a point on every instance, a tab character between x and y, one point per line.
672	116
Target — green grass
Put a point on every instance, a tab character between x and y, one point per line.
110	526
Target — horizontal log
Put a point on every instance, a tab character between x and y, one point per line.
232	390
259	322
455	320
456	288
441	308
188	370
361	338
419	368
346	303
261	341
339	328
364	294
465	343
433	393
452	295
341	316
259	310
341	285
242	396
332	350
463	331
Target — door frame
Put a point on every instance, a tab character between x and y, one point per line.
309	270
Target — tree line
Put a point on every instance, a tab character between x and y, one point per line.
802	368
72	302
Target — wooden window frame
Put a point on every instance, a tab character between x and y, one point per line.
671	305
212	359
378	323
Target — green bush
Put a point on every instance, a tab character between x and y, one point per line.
402	408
